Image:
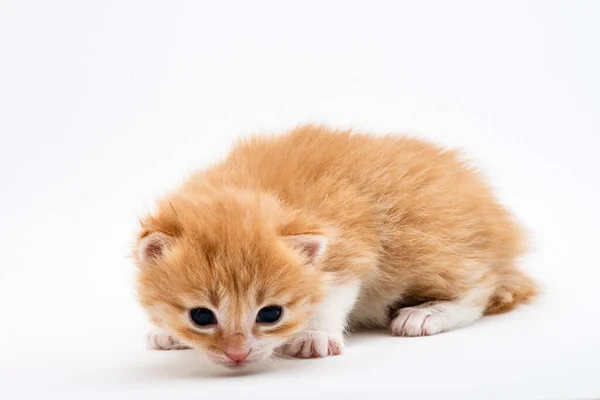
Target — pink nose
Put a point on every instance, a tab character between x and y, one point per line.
237	355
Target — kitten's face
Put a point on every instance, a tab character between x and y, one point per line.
230	285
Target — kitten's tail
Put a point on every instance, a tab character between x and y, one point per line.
514	288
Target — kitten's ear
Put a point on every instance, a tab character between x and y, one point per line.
153	246
310	246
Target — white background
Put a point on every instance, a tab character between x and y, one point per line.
105	105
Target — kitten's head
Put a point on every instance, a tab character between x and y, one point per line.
231	273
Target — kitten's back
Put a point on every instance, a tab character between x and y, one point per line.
417	216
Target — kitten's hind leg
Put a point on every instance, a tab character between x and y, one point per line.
157	339
439	316
508	288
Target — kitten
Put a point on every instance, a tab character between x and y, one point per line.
294	239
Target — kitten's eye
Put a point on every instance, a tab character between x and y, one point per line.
203	316
269	315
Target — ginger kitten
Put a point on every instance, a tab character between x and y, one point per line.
294	239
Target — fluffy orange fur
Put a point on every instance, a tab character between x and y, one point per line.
407	220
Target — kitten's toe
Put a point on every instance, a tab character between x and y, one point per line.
160	340
315	345
417	321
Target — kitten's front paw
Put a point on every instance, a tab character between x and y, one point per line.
160	340
314	345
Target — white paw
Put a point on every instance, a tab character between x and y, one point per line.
314	345
160	340
419	321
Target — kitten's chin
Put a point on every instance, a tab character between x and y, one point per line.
254	360
233	366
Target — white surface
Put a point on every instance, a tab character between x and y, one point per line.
104	105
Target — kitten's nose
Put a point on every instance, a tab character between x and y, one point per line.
237	355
